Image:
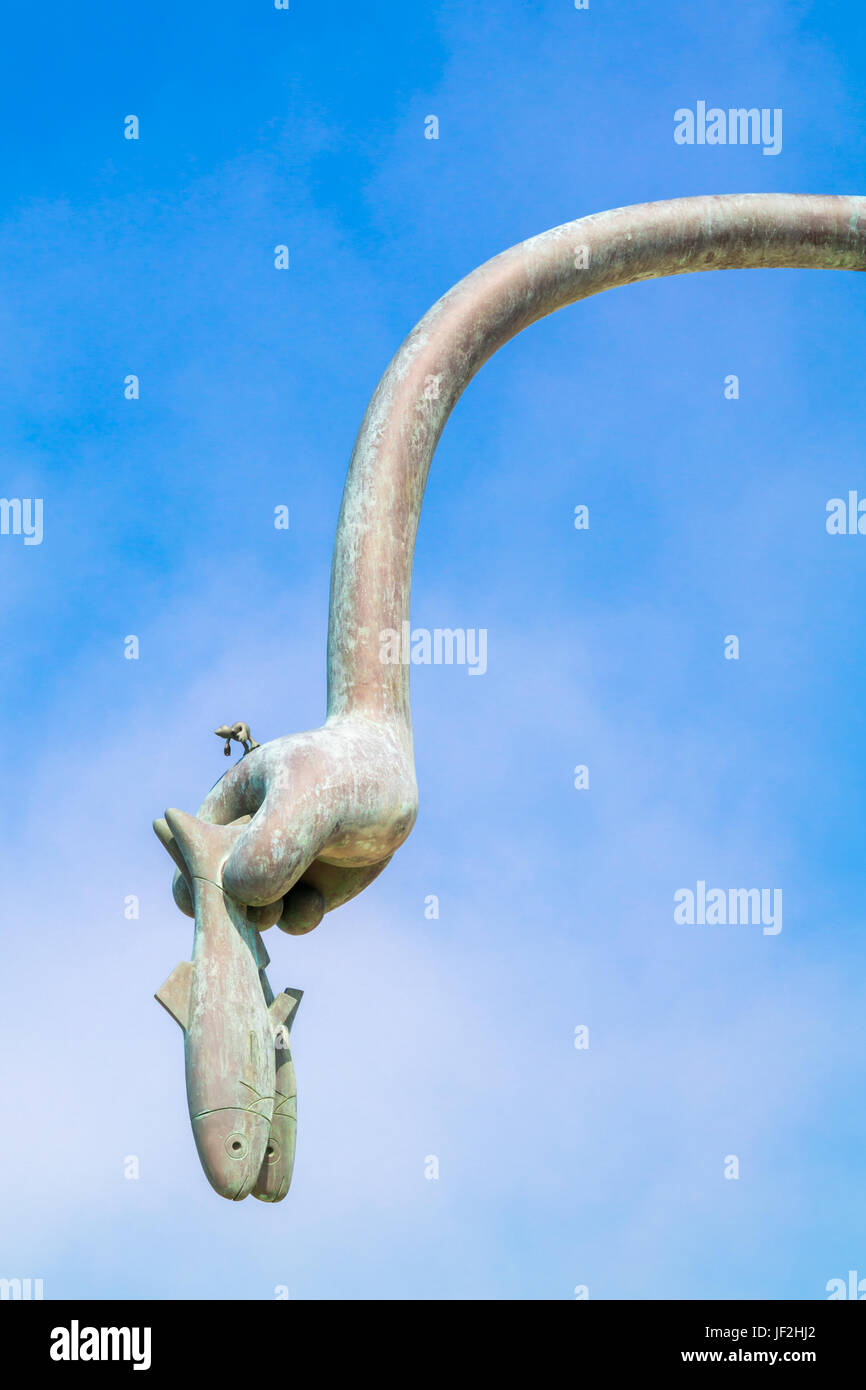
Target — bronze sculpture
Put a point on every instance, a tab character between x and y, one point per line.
303	823
236	733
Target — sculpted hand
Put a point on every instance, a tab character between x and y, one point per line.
318	817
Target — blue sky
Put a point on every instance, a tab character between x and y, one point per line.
452	1037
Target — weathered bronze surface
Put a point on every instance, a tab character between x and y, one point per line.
275	1175
328	808
229	1017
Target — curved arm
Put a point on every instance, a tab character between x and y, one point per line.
372	567
329	807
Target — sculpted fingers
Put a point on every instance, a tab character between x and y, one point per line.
289	803
322	888
239	793
302	909
337	883
275	848
180	891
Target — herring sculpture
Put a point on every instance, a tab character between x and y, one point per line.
301	824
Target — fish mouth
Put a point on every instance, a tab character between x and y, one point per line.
276	1196
230	1147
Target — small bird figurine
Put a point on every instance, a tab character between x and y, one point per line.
240	733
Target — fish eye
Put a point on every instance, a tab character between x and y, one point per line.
272	1152
236	1145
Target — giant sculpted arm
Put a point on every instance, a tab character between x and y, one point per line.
328	808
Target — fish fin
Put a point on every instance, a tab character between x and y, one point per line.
204	847
284	1008
174	994
260	952
167	840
